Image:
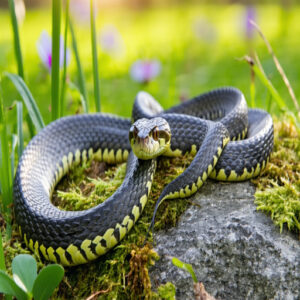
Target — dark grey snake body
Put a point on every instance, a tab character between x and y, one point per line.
75	237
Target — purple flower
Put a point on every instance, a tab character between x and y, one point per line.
111	40
145	70
250	16
44	48
80	9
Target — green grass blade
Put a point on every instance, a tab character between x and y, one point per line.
5	170
32	108
265	81
252	89
17	46
95	58
30	125
14	142
2	261
20	128
258	70
81	80
269	103
64	76
1	190
56	16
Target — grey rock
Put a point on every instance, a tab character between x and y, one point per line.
235	250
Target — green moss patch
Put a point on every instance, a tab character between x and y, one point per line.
88	185
123	272
278	188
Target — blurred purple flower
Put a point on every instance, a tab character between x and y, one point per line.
111	40
80	9
250	16
205	30
145	70
44	48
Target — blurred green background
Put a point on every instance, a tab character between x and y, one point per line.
199	46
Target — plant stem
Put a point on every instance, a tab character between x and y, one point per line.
270	87
20	128
64	76
81	80
56	16
95	58
17	46
252	89
259	72
5	171
278	66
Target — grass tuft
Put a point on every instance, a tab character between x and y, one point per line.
278	188
278	66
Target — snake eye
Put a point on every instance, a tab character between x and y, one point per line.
155	133
133	132
163	134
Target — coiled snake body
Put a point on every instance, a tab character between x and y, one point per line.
76	237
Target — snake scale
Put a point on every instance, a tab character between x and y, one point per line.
209	126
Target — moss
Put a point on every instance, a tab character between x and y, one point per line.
278	188
167	291
88	185
123	272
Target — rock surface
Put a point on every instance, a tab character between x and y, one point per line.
235	250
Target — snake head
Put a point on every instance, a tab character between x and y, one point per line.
150	138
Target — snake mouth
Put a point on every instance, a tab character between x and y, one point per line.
148	148
150	138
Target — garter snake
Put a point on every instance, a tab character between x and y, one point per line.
230	142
